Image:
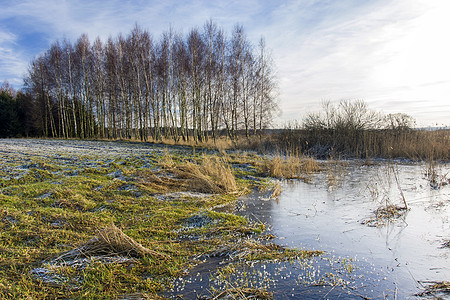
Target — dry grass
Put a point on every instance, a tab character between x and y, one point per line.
390	212
442	287
289	167
412	144
386	143
446	244
220	172
275	191
242	293
157	183
436	177
211	175
386	214
139	296
221	143
110	241
335	171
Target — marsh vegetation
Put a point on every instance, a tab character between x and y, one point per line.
109	220
99	219
350	129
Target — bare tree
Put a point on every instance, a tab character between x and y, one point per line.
134	87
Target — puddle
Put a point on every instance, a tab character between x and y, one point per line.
387	262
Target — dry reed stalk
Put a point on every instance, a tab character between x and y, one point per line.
399	188
442	287
275	190
445	244
158	183
293	166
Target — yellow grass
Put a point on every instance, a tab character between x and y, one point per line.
211	175
242	293
289	167
412	144
110	241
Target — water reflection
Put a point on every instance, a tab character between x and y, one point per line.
386	262
313	215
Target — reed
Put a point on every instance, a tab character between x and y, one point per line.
436	289
290	166
210	175
382	143
379	190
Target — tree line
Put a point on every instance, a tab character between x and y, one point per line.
196	86
351	128
16	113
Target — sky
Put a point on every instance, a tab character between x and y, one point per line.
394	55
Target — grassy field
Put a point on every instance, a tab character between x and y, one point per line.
93	220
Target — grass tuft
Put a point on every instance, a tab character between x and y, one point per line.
242	293
290	167
211	175
110	241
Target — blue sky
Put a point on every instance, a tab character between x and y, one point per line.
395	55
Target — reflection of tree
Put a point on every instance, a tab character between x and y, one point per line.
393	232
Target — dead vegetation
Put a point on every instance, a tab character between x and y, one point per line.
445	244
289	167
242	294
436	289
252	249
139	296
379	191
110	241
210	175
352	129
207	174
385	214
436	177
274	191
109	246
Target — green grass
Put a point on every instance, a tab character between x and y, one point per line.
44	212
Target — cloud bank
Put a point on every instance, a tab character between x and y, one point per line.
392	54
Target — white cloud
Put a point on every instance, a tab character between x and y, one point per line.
390	53
104	18
379	52
12	65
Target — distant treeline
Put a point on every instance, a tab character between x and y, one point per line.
16	113
136	86
351	129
